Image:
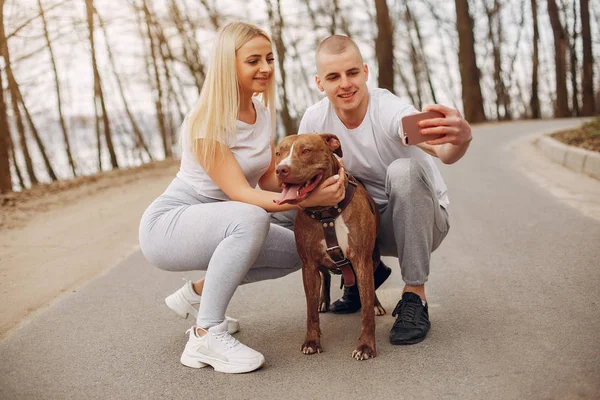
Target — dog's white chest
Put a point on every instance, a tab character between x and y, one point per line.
342	232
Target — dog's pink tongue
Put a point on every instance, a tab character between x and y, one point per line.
289	193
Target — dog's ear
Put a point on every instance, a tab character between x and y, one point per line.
333	143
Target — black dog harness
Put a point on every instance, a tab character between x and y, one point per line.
327	218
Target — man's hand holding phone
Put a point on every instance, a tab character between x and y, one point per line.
437	124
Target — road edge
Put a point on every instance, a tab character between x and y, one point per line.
577	159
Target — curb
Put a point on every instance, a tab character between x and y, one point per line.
575	158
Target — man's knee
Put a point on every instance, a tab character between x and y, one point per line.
284	219
404	172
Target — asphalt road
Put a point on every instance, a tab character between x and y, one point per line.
514	303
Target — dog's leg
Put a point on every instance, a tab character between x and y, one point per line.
325	297
379	310
366	289
311	279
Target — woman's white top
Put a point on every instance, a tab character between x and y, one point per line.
251	148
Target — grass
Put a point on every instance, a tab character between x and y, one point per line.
587	136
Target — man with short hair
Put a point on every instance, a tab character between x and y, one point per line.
403	180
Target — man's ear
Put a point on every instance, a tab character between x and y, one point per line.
333	143
366	69
318	81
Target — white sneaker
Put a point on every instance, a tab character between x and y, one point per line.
220	350
182	303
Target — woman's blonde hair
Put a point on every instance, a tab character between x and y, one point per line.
213	117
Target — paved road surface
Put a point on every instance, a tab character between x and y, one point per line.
514	302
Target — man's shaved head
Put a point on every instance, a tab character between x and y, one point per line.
336	44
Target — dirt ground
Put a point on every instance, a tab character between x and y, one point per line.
587	136
56	237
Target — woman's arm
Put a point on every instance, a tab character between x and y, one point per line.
269	180
226	172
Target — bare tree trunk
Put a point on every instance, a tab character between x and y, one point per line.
310	95
37	139
512	78
98	95
166	56
503	87
158	102
343	22
13	89
495	37
136	129
422	55
560	48
333	15
572	44
277	24
98	131
587	80
5	145
191	50
406	83
61	118
469	72
444	53
336	14
313	18
212	14
415	61
384	46
534	102
26	23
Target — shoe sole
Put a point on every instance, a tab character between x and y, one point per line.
219	365
411	341
403	342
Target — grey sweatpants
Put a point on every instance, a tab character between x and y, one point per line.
413	224
233	242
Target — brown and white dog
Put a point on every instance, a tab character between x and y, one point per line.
303	162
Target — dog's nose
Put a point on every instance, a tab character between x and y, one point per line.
282	170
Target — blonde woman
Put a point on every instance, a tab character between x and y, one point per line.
212	217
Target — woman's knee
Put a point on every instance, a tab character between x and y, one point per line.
251	219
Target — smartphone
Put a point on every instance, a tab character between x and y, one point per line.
410	129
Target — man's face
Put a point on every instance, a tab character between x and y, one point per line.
343	78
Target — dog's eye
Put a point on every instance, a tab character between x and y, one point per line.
277	153
306	151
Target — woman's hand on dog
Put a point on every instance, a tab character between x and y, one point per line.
329	193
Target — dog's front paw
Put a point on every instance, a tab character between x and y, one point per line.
364	352
311	347
324	306
379	310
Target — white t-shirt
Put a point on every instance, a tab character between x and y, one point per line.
375	144
251	148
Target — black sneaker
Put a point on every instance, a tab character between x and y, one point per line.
350	301
412	323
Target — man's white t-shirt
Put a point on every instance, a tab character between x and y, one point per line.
375	144
251	148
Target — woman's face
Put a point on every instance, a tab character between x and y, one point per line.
254	64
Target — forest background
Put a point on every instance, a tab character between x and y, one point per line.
93	85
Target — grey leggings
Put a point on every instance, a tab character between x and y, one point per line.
233	242
413	224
